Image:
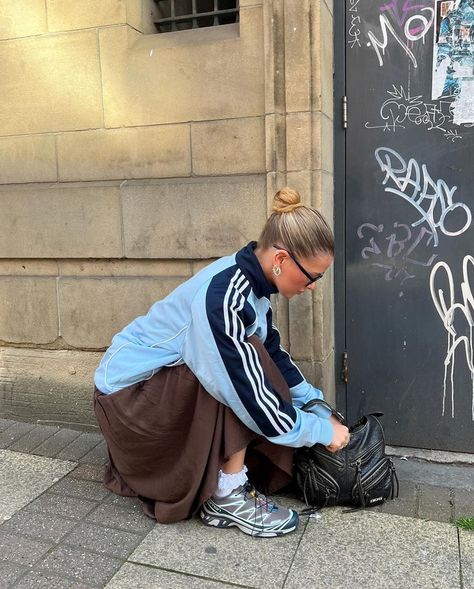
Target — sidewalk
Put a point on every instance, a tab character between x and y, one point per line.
62	530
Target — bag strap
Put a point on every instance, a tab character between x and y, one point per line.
307	406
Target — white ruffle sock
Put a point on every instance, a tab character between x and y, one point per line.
226	483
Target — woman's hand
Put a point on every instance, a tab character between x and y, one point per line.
341	435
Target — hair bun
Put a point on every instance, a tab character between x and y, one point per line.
286	200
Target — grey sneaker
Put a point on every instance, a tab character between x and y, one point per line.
253	513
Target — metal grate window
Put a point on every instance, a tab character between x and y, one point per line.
178	15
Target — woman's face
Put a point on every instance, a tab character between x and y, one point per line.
292	280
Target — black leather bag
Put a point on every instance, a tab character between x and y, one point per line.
361	474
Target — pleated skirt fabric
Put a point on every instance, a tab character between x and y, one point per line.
167	438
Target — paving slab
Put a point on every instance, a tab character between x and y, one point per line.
142	577
122	519
369	549
54	444
34	580
466	549
34	438
42	526
79	565
102	539
92	490
9	573
20	550
80	446
69	507
14	432
23	477
225	555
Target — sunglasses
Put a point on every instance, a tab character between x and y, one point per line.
311	279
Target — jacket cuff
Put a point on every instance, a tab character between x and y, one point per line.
327	432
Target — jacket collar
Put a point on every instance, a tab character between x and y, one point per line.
250	266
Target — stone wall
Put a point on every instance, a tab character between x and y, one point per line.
129	159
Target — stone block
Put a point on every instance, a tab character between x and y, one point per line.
192	218
326	35
301	181
302	327
318	146
280	307
298	141
275	142
28	310
50	83
141	152
118	268
28	159
141	15
325	375
327	144
316	55
60	221
66	16
235	146
48	385
323	310
297	55
200	265
153	79
19	21
19	267
92	310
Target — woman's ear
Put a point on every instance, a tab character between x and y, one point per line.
279	257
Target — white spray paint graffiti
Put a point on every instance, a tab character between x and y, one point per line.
354	30
410	30
402	109
419	189
448	314
396	257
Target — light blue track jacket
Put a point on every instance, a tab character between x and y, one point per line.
204	323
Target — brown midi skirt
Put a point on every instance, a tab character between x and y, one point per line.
168	437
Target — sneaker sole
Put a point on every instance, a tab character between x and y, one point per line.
222	522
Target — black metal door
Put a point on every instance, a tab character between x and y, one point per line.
409	231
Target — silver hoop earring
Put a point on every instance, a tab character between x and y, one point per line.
276	270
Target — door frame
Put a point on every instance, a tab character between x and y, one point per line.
339	28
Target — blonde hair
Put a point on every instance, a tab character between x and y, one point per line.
300	229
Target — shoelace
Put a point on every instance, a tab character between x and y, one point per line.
261	500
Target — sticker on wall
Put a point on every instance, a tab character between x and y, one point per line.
453	57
